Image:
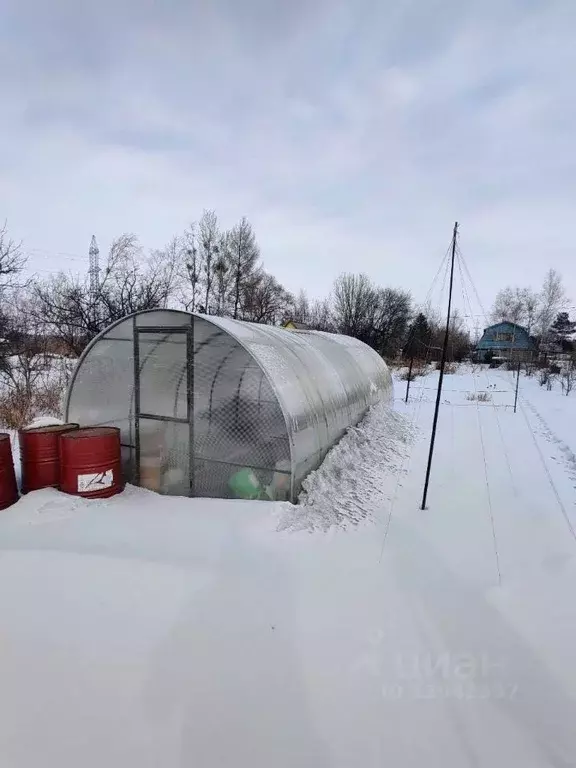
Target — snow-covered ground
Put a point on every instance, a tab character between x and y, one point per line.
353	630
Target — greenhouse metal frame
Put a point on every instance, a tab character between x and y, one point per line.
211	406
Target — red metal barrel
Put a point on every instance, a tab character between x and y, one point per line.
8	487
90	462
40	456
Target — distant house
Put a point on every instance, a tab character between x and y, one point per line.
508	341
292	325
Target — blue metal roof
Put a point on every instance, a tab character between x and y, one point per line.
505	336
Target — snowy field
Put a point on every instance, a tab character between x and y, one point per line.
353	630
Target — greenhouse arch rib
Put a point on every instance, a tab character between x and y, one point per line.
279	399
91	344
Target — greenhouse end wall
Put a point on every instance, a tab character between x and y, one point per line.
217	407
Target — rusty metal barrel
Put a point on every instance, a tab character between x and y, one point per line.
40	456
8	487
90	462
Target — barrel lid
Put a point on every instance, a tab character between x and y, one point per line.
51	428
86	432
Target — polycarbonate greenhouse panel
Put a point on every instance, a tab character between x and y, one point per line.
216	405
324	382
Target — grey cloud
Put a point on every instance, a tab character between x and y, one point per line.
342	128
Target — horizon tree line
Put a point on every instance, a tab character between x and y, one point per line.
212	270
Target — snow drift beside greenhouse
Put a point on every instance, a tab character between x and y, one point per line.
359	475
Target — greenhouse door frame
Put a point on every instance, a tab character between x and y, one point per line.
166	331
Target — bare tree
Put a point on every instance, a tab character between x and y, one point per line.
354	301
35	375
509	305
321	316
300	311
316	314
130	282
190	277
133	281
390	321
459	342
209	242
12	262
552	301
62	304
12	259
244	255
266	300
220	272
531	301
516	305
223	276
170	260
29	346
377	316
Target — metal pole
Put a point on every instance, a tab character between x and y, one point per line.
190	380
517	385
409	377
442	365
136	354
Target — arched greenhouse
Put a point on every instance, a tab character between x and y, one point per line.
210	406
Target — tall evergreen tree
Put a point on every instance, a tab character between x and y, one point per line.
561	329
418	337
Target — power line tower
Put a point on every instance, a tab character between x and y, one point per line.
476	333
94	270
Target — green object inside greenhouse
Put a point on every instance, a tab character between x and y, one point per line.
228	409
245	485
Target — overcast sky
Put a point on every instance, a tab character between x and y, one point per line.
351	133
